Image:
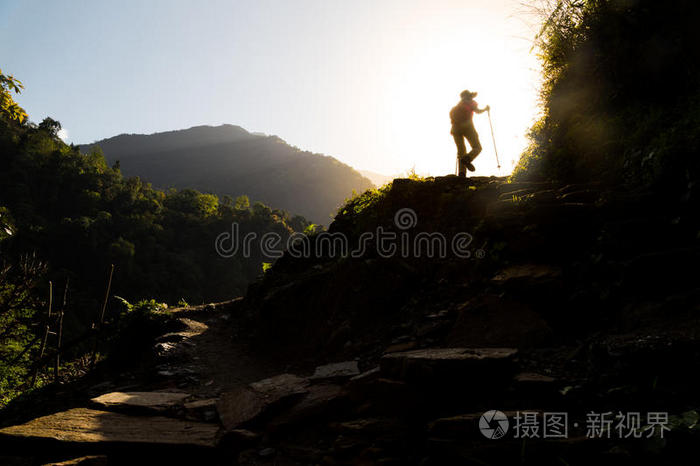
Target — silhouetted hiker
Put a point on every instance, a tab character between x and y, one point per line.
463	127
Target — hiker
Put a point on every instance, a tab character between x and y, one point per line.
463	127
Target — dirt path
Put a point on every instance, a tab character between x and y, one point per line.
206	358
199	361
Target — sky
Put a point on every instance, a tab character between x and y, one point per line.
370	82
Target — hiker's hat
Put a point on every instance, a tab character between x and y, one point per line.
468	95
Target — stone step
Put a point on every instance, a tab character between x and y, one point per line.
90	426
479	365
141	402
335	371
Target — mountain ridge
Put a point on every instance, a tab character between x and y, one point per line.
229	160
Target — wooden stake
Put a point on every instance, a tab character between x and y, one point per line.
59	339
102	317
109	287
47	328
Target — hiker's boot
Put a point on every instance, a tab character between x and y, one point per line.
470	167
462	161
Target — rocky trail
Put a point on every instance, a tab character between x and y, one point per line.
396	362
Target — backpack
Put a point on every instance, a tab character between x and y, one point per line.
462	112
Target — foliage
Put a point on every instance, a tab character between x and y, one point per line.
360	202
19	332
9	109
619	93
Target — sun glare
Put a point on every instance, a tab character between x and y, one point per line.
487	59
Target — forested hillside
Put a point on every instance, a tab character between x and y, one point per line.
67	217
228	160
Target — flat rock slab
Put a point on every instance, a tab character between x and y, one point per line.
321	401
84	425
202	410
245	404
156	401
482	365
338	370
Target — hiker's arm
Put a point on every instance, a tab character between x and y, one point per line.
482	110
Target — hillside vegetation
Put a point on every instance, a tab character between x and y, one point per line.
620	95
66	217
228	160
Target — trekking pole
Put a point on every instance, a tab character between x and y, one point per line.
494	141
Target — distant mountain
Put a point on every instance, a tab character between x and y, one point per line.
378	179
228	160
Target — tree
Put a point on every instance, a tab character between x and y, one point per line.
8	107
51	126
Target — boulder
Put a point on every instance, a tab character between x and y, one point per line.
240	406
322	400
246	404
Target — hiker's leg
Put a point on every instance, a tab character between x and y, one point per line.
461	153
459	142
473	138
